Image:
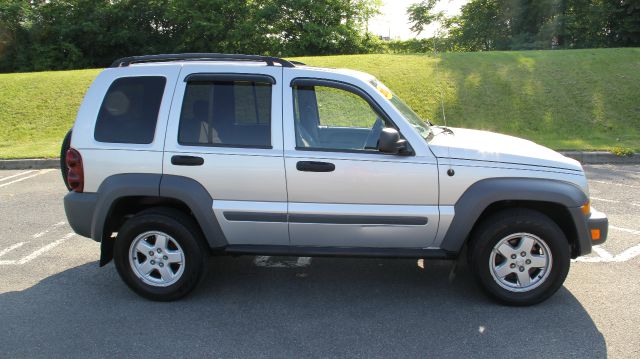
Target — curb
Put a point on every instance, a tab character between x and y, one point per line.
602	157
585	157
30	163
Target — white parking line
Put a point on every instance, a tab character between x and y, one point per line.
40	234
26	178
15	175
605	200
614	201
605	257
7	250
603	253
615	184
44	249
35	254
632	231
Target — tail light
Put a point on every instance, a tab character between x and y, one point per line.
75	174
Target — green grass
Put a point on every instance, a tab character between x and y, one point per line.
574	99
37	109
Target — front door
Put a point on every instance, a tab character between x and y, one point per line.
342	191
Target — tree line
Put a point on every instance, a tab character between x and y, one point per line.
40	35
63	34
485	25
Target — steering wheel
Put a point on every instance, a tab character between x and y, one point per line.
372	139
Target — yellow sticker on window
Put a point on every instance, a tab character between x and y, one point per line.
384	91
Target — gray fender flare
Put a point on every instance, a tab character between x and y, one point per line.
198	199
183	189
483	193
119	186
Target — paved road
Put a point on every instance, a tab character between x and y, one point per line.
56	302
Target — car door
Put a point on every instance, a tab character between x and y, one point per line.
343	192
225	131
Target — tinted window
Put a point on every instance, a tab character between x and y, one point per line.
129	111
226	113
332	118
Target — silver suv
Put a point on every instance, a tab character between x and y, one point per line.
174	158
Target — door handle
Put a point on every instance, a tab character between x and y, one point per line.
187	160
313	166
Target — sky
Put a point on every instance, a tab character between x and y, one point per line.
393	18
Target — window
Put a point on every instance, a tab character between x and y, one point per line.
226	113
333	118
129	111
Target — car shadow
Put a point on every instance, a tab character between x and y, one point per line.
332	308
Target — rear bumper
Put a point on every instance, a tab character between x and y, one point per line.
598	223
79	208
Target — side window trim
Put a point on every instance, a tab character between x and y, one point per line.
229	77
311	82
99	121
211	78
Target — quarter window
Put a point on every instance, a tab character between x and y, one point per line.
226	113
129	111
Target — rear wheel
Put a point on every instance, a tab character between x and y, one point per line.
159	253
520	257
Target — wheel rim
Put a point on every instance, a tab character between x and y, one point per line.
156	258
520	262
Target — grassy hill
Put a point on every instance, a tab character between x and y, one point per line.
573	99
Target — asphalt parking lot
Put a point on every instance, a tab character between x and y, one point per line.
56	302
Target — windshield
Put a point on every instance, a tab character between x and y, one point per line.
418	123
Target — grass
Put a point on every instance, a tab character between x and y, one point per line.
37	109
569	99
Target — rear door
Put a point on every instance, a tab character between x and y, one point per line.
342	191
225	131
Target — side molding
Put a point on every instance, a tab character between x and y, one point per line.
483	193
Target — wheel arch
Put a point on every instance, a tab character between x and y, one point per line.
560	201
122	196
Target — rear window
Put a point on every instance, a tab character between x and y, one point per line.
129	111
226	113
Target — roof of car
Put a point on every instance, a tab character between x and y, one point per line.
228	59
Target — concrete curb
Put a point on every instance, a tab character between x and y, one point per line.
30	163
585	157
602	157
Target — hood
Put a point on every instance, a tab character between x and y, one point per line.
494	147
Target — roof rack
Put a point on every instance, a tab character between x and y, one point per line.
126	61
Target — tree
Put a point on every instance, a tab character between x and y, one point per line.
421	15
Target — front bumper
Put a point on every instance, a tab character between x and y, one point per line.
598	225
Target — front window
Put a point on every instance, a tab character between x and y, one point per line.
337	119
418	123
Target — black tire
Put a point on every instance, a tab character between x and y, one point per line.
184	230
66	143
508	222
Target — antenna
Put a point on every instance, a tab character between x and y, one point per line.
435	54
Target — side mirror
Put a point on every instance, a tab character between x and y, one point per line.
390	142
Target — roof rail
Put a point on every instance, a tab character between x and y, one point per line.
126	61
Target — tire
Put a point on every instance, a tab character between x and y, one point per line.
66	143
541	250
174	269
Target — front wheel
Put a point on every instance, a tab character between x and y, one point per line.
520	257
159	253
